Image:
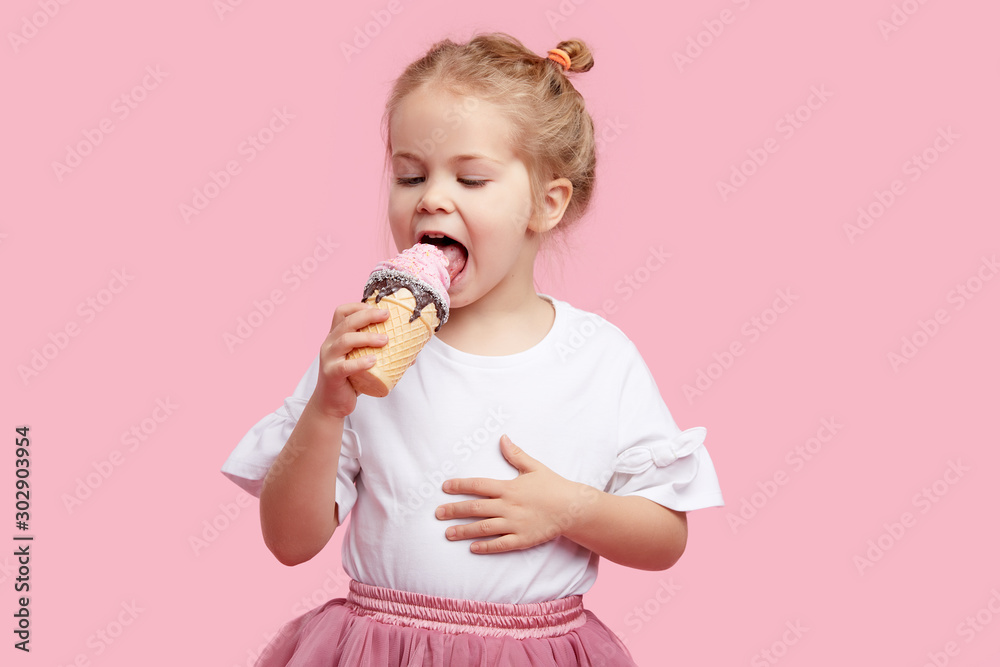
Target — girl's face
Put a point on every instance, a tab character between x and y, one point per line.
455	175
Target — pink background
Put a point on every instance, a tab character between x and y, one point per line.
672	132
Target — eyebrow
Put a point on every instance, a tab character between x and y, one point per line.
453	160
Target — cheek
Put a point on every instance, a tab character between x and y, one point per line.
398	220
510	219
399	205
511	210
395	199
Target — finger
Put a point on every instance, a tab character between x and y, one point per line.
341	367
514	540
352	366
485	528
481	507
368	315
499	545
477	486
516	456
349	341
346	309
344	338
357	315
334	352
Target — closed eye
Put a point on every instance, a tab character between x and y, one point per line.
409	181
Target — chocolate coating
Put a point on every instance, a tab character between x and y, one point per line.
388	281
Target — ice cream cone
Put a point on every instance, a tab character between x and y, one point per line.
414	288
406	339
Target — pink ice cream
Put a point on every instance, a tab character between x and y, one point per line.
422	269
425	262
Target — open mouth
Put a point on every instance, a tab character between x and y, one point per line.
456	253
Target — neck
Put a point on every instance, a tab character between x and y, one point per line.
510	318
498	333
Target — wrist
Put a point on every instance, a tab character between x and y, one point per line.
582	502
326	413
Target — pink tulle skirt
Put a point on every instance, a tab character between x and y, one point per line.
381	627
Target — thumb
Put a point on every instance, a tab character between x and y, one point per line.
516	456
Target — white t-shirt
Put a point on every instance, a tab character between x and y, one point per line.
581	401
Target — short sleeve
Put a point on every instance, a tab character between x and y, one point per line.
655	458
253	456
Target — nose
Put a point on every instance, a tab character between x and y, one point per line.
436	198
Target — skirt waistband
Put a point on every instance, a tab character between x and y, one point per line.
453	616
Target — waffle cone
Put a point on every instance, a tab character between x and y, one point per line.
406	339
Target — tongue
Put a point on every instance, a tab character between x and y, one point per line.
457	257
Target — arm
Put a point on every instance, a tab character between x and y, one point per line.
540	505
629	530
298	510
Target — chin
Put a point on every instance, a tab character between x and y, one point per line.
459	302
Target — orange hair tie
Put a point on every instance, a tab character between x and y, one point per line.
560	57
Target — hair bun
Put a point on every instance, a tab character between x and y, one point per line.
581	59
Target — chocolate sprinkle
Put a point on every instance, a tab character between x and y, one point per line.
388	281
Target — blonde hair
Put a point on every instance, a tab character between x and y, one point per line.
551	130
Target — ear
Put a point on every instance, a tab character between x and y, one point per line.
557	196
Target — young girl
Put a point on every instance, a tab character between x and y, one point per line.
527	440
